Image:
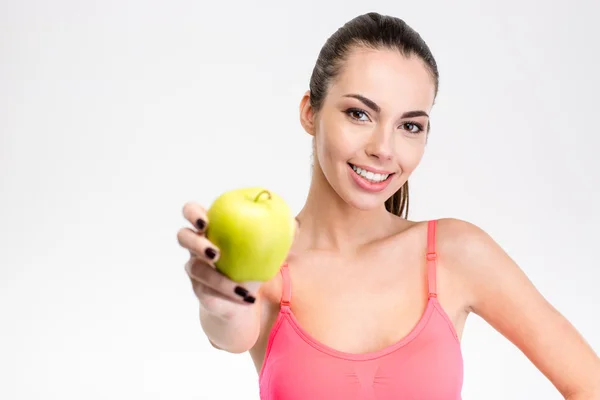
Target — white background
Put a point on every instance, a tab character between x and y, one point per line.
115	113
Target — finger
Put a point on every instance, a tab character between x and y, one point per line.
200	271
198	245
215	302
205	293
196	215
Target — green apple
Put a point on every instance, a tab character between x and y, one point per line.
254	229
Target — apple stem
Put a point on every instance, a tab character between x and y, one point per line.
261	193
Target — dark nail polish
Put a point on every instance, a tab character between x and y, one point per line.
210	253
200	224
240	291
249	299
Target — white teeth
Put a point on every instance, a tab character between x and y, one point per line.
370	175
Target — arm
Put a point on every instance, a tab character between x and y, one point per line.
500	293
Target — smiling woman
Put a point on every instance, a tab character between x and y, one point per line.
371	305
369	58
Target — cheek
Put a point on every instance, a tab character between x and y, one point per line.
334	143
409	155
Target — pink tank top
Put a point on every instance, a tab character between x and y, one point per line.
426	364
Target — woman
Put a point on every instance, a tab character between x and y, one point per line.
370	305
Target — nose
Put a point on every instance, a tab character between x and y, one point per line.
380	144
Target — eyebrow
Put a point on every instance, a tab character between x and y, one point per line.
373	106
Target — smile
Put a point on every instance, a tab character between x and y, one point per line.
370	176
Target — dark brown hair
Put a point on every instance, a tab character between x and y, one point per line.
376	31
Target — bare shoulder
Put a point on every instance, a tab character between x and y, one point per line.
474	258
499	291
456	236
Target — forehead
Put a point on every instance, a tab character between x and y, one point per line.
387	77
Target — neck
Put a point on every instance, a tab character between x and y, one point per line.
329	223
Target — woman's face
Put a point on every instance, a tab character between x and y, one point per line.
371	131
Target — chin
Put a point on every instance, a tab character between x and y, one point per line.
365	203
363	200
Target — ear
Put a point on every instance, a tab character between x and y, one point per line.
307	115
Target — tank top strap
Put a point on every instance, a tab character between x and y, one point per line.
431	258
286	284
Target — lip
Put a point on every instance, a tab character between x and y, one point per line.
374	170
372	187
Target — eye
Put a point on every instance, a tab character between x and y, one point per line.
412	127
357	114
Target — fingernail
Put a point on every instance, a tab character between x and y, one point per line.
210	253
249	299
240	291
201	224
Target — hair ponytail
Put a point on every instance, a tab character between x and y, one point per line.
398	203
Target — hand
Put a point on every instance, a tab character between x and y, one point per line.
217	294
